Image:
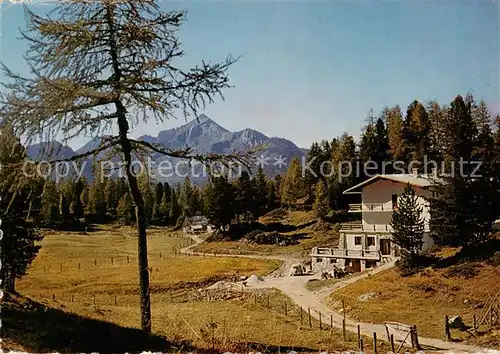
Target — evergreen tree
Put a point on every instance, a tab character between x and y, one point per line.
64	210
76	206
50	202
321	203
111	195
148	196
408	227
219	200
157	211
438	136
19	241
245	205
462	211
261	192
96	205
175	210
125	210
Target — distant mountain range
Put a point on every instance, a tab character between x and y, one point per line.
203	135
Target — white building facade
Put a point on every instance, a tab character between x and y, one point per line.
368	243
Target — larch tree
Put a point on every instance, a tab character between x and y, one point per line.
395	133
98	65
321	204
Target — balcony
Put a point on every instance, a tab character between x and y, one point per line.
359	226
342	253
369	207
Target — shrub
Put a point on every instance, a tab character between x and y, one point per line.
464	270
269	238
495	259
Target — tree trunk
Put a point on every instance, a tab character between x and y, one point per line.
140	216
132	181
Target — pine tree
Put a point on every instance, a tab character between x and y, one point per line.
76	206
245	205
219	200
321	203
461	212
125	210
157	210
96	205
175	209
111	195
50	202
261	192
19	241
408	227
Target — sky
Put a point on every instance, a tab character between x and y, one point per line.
313	70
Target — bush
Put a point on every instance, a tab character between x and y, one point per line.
269	238
464	270
495	259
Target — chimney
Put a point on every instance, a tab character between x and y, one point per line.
414	171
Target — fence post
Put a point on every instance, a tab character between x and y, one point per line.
343	330
53	296
301	322
268	305
331	321
415	332
95	262
128	259
111	260
412	337
447	328
359	333
475	323
160	254
343	308
61	267
309	314
72	298
286	310
255	300
393	349
93	299
375	342
320	322
79	265
361	346
44	270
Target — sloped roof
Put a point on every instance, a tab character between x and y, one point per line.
198	220
415	180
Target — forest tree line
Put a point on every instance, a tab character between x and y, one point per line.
423	133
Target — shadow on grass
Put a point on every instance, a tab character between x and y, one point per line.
40	328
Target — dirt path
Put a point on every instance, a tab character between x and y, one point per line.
295	288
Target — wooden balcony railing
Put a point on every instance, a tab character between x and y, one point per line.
356	208
344	253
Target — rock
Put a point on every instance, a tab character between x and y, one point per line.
367	296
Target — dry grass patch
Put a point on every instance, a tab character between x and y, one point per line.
308	233
97	264
423	299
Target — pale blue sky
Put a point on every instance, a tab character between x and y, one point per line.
312	70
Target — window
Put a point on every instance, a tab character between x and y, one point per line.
318	260
357	240
332	260
394	202
370	241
